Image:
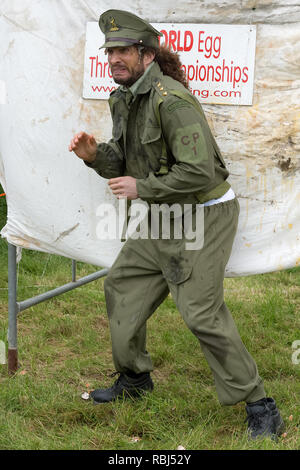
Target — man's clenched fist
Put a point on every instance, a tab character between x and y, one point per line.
124	186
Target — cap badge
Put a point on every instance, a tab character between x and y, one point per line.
114	27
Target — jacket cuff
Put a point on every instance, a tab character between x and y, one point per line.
144	189
95	163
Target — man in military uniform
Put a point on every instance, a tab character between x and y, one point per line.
162	151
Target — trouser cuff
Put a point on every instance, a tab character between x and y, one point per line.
257	394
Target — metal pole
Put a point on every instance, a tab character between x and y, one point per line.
12	310
60	290
73	270
15	307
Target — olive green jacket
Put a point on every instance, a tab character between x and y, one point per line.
161	137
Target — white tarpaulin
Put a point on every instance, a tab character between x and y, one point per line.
53	197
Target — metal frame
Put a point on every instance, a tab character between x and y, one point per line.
15	307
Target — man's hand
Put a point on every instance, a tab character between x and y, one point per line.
85	146
124	186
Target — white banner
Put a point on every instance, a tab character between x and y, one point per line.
218	61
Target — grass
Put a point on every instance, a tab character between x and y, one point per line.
64	350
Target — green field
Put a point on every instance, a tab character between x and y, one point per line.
64	350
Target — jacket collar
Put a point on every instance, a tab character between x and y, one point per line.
144	83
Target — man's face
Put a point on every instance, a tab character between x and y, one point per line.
125	64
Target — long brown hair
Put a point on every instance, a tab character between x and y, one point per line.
169	63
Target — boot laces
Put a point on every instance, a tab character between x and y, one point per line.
114	374
116	383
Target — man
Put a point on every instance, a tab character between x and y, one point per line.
163	152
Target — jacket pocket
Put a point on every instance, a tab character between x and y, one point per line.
151	134
151	142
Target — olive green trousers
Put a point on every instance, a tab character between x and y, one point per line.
144	273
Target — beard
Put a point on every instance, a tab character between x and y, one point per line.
132	78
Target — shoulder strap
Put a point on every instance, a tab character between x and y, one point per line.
164	168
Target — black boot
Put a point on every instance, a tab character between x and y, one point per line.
124	387
264	419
